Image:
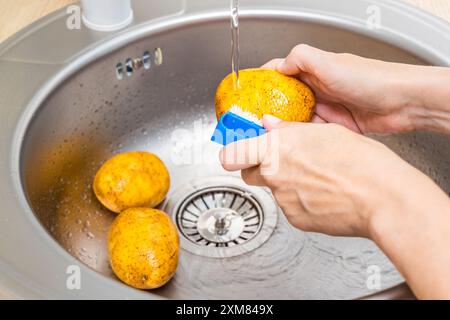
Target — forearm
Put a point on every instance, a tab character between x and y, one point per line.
429	97
413	229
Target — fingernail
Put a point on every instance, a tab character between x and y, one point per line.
271	119
270	122
281	65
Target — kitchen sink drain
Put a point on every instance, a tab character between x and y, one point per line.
222	217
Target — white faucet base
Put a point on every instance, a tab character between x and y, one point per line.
107	15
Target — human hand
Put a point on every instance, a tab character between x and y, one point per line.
371	96
328	179
324	177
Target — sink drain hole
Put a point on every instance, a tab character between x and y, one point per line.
222	217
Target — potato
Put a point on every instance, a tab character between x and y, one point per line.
263	92
143	247
131	179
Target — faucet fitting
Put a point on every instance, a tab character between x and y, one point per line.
107	15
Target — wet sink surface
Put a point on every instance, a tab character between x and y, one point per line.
168	110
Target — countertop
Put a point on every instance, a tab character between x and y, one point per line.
16	14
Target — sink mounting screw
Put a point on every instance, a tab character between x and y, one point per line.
132	64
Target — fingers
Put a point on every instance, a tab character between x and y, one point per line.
296	61
255	153
244	154
303	61
272	64
317	119
271	122
252	176
302	58
337	113
249	153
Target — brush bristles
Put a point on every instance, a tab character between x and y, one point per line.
245	114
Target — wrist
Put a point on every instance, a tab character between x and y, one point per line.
412	228
408	197
427	99
394	200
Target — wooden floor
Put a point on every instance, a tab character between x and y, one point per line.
16	14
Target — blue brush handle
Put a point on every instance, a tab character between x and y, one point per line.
232	128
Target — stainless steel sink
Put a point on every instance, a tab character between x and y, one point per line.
66	112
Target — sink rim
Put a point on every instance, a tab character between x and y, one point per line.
52	84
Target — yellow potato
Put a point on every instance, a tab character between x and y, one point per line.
263	92
131	179
143	247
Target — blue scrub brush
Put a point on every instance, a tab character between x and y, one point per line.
235	125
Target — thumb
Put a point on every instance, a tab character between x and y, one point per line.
271	122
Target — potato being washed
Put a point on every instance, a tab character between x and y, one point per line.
131	179
263	91
143	247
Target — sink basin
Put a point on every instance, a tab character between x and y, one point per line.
76	113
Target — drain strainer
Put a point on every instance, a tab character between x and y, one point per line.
222	217
219	216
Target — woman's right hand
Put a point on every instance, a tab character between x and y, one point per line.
371	96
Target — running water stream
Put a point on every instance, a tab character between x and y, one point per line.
235	42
